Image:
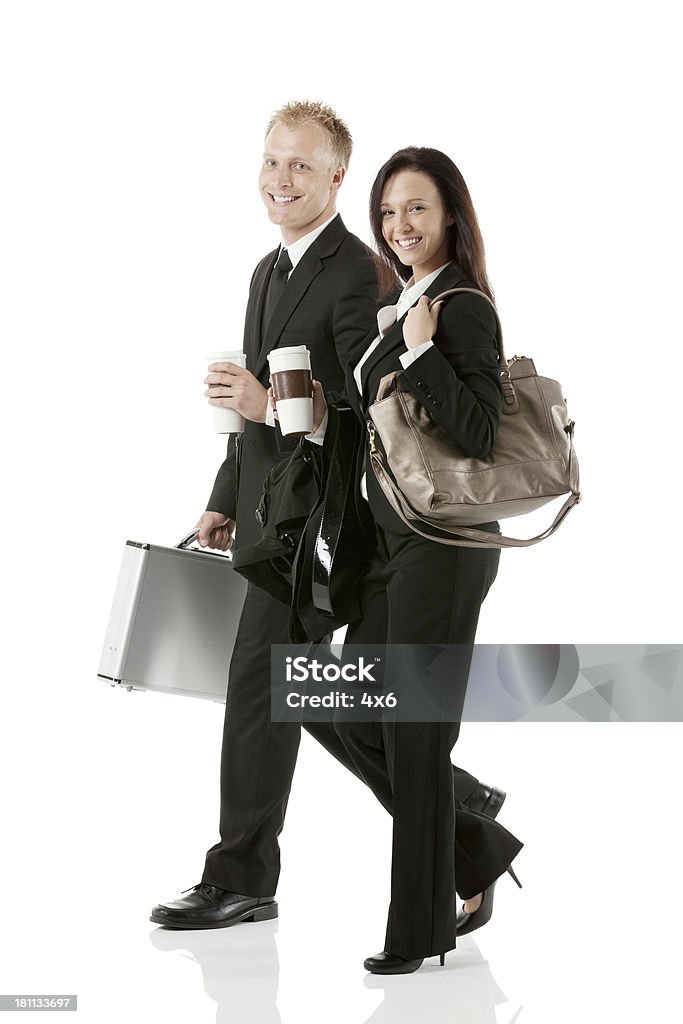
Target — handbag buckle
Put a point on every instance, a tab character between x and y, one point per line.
371	433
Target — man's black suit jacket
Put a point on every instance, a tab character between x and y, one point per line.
330	305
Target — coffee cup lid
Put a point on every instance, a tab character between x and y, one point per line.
287	351
226	357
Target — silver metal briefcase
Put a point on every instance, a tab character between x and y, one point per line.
173	621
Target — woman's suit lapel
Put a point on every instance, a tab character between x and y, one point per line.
451	277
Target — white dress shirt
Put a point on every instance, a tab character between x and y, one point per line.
297	249
386	318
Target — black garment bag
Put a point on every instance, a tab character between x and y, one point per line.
317	532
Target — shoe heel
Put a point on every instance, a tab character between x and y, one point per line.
514	876
265	913
442	959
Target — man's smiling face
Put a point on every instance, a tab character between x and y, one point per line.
298	181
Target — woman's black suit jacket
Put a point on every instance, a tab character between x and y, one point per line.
457	380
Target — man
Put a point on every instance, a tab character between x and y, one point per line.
319	288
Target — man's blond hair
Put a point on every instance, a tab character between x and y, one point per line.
302	112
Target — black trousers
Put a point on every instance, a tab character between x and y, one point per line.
421	592
258	759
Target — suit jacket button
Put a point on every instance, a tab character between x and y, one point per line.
436	404
421	384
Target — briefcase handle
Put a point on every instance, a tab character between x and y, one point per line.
192	535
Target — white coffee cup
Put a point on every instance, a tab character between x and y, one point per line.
290	375
227	421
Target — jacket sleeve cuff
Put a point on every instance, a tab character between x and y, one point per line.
270	415
414	353
318	436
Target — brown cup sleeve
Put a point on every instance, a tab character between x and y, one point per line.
291	384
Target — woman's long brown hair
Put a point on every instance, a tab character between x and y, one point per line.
465	244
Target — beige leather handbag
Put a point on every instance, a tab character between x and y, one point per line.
428	481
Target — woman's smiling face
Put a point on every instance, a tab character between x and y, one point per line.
415	222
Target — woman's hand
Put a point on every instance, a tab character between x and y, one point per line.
319	404
420	324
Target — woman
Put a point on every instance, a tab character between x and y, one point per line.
418	591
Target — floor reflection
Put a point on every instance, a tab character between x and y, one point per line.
462	990
240	968
240	971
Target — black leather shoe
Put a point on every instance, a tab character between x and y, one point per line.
486	799
388	963
207	906
466	923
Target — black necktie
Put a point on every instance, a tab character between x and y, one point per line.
276	286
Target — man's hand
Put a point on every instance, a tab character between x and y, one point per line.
236	388
420	324
215	531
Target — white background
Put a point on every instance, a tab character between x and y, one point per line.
130	225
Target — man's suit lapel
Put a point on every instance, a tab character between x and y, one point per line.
451	277
306	270
254	316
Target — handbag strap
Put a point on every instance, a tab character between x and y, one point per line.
337	487
327	535
476	538
476	291
509	397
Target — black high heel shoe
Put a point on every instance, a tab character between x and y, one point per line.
466	923
389	963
